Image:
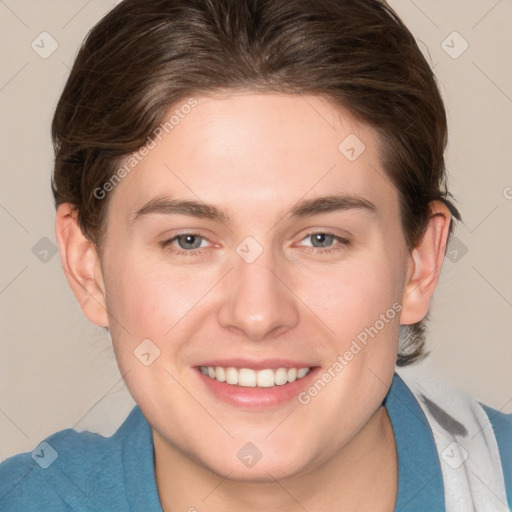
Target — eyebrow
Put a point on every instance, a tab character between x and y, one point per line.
304	208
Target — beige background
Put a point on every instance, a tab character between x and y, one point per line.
57	371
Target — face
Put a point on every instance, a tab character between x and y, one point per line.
255	236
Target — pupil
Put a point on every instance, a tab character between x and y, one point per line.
322	238
189	239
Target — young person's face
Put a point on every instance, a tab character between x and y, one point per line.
258	289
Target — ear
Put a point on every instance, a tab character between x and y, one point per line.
81	265
425	263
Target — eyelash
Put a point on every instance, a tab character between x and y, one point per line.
315	250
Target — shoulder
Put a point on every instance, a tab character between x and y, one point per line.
30	477
462	426
61	471
23	478
501	424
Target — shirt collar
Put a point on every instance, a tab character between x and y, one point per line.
420	481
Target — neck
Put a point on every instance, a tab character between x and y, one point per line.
363	475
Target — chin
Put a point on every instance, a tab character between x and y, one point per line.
246	463
262	472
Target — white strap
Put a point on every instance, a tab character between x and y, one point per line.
465	442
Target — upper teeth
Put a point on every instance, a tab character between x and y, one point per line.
252	378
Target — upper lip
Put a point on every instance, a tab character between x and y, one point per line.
261	364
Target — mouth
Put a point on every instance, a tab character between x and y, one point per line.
247	377
263	386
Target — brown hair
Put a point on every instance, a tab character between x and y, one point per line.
144	56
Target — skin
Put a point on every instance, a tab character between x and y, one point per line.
254	156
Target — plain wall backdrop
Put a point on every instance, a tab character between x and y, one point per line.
58	371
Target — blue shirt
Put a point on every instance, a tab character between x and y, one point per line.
72	471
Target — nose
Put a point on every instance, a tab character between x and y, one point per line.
258	302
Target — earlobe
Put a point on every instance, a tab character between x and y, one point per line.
425	263
81	265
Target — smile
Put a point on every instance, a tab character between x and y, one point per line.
245	377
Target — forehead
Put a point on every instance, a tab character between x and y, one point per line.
258	152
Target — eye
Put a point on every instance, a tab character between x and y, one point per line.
321	242
191	243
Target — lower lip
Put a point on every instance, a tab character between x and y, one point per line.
257	398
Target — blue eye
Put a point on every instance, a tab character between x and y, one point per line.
190	243
325	241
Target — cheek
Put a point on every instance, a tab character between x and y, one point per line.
150	297
352	296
